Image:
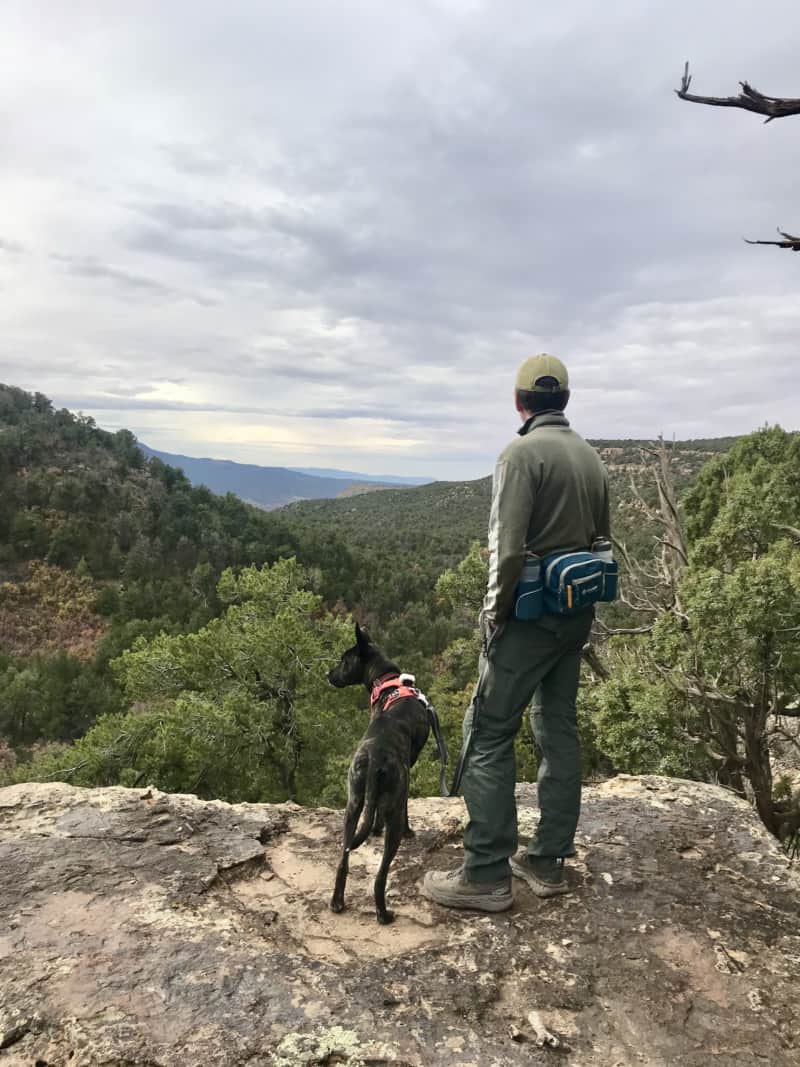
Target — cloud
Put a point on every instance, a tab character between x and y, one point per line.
128	400
318	217
198	216
132	283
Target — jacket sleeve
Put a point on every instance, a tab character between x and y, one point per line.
605	515
512	506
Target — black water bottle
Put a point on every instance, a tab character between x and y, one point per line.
603	550
528	601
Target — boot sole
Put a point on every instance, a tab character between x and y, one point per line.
456	900
540	888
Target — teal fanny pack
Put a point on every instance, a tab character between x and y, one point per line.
564	583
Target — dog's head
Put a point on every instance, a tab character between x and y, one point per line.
351	667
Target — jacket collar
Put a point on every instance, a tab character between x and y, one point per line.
546	418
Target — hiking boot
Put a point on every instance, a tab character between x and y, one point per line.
544	874
452	889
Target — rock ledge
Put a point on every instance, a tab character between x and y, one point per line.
141	928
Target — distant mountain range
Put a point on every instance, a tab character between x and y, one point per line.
354	476
272	487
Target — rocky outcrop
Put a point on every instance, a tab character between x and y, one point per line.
152	929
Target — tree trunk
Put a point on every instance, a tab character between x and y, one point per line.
729	772
288	720
757	765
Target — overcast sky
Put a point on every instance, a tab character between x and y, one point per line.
297	232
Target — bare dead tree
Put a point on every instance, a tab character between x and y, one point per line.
788	241
653	587
750	99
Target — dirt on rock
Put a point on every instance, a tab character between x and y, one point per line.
141	928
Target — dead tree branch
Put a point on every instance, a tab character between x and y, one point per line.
750	99
790	242
595	663
793	531
654	589
608	631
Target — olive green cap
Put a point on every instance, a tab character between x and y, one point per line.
542	366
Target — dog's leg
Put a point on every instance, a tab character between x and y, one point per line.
350	823
377	826
391	843
407	831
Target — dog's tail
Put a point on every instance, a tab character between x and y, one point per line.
371	792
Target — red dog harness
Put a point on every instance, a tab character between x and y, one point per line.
395	687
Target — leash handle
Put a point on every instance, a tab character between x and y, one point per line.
476	703
453	791
455	788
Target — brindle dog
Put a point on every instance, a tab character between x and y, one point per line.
378	778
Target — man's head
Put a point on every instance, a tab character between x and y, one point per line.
542	385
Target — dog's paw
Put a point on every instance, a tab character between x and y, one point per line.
337	905
385	917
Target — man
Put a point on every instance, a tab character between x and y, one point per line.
550	494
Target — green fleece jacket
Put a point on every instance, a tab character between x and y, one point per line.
549	494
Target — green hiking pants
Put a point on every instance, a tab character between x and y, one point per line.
539	660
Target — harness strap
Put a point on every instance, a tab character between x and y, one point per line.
381	686
395	690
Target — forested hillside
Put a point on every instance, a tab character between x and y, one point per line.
432	526
99	546
152	631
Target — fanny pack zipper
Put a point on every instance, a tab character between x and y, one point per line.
572	566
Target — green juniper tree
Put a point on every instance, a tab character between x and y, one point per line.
241	709
721	618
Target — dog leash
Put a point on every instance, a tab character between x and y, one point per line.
436	729
441	744
455	788
404	685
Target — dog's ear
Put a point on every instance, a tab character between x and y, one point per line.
362	637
